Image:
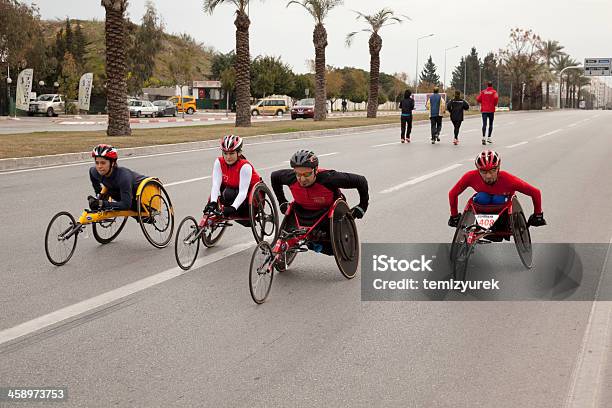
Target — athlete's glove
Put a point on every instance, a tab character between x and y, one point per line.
228	211
536	220
210	206
95	204
357	212
283	207
453	221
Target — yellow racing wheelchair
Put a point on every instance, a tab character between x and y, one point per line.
153	212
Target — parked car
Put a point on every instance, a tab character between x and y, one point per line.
48	104
140	108
304	108
270	106
186	104
165	108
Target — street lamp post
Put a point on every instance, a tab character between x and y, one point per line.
464	75
560	73
446	49
416	69
9	81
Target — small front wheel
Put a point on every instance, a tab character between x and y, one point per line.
61	238
187	243
261	272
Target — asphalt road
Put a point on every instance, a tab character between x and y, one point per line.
197	339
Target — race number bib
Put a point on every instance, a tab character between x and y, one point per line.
486	220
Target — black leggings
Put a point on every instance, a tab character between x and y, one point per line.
487	116
457	125
406	125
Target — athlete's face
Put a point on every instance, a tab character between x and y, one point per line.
230	157
489	176
305	176
103	166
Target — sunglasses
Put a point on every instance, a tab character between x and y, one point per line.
305	174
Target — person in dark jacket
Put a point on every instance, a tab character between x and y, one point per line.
456	107
407	106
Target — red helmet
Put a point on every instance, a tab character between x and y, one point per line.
488	160
106	151
231	143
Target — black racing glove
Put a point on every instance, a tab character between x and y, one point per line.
453	221
536	220
283	207
228	211
357	212
95	204
211	206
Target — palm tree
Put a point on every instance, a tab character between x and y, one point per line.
242	64
562	62
319	9
375	21
550	50
116	84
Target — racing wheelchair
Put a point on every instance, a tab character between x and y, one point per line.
153	212
262	219
484	224
295	237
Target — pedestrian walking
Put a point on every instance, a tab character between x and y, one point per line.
456	107
436	107
407	106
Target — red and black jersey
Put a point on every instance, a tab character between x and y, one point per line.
506	184
231	174
324	191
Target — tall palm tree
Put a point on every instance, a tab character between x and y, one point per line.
242	64
116	84
319	9
550	50
375	22
562	62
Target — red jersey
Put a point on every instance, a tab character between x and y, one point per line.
231	174
488	99
506	184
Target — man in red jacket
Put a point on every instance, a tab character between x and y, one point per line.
487	99
493	187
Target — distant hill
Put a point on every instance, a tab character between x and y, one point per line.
94	33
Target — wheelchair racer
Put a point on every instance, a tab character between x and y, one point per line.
314	191
494	187
111	181
232	178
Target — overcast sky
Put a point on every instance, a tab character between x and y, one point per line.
583	27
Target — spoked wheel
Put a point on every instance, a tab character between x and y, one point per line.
345	240
522	237
212	234
107	230
467	218
261	272
187	243
287	260
263	214
155	214
61	238
464	250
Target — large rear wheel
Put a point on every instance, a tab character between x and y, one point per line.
521	235
107	230
155	214
263	214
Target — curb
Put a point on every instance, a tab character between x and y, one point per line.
22	163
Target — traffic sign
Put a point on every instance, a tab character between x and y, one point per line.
598	66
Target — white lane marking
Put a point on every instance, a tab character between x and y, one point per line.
516	144
95	302
328	154
572	124
587	373
549	133
420	178
385	144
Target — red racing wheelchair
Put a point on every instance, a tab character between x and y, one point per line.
262	219
484	224
294	237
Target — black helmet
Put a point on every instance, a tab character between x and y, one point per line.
304	158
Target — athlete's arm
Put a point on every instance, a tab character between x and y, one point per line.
338	179
279	179
527	189
95	182
246	171
453	194
217	178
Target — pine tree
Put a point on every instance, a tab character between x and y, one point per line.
147	44
69	37
429	73
79	45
